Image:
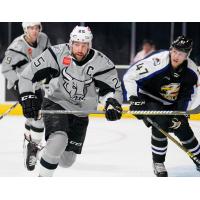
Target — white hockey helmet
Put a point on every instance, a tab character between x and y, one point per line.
81	34
25	25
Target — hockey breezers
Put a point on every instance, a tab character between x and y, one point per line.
190	154
141	112
9	110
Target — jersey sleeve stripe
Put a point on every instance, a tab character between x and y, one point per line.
19	64
153	74
19	52
46	45
103	72
53	54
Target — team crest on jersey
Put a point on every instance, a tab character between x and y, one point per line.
76	89
67	60
170	91
156	61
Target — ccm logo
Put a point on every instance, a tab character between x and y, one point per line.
76	143
139	103
31	96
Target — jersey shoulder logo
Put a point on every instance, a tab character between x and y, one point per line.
156	61
67	60
30	51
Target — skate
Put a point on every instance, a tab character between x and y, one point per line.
198	167
160	170
30	153
196	162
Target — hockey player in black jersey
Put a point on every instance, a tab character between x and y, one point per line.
166	80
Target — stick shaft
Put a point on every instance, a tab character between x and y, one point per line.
124	112
190	154
9	110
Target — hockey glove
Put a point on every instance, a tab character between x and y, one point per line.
137	104
113	109
30	105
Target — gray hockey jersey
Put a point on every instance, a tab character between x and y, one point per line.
19	54
74	85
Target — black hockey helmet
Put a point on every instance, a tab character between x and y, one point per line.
182	43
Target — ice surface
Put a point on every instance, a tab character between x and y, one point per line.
111	149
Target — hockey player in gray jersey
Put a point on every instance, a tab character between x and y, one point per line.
80	77
166	80
17	57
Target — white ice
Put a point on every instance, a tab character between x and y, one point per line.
111	149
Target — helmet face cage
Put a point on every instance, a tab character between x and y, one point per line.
25	25
183	43
81	34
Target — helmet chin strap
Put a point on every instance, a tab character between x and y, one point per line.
189	53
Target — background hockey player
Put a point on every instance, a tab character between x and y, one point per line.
80	75
166	80
20	52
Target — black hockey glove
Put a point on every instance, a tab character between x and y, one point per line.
113	109
137	104
30	105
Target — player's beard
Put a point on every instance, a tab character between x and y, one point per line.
79	56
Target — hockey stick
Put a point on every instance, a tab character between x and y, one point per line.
140	112
190	154
9	110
